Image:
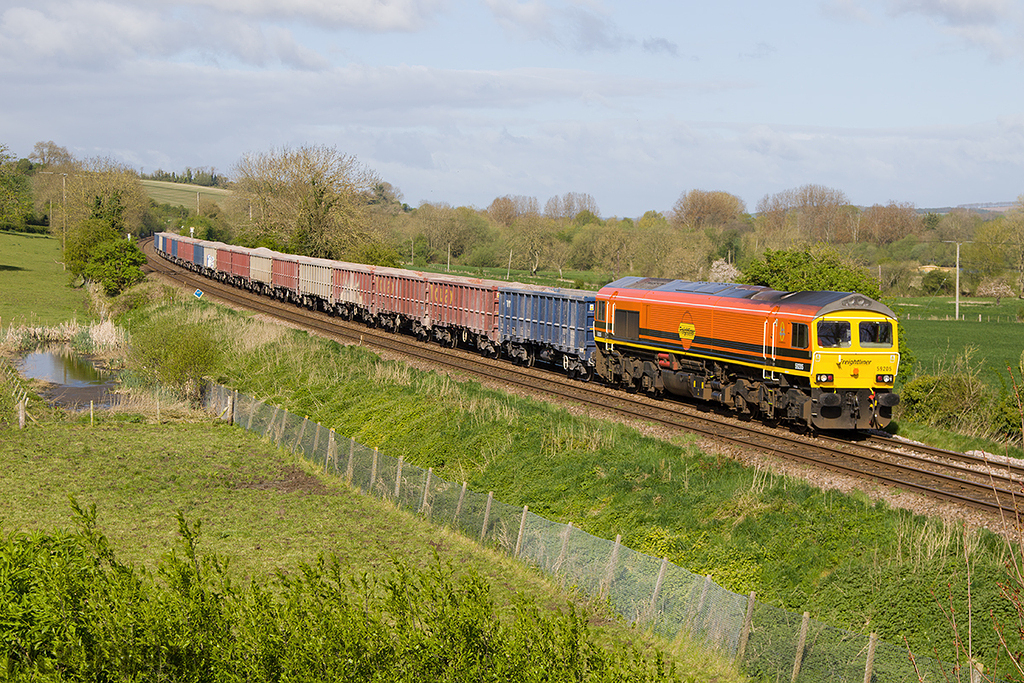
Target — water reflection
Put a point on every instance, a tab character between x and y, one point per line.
76	380
59	367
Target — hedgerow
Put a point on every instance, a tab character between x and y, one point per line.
72	612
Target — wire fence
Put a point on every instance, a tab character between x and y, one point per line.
769	643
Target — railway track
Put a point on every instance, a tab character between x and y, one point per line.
997	489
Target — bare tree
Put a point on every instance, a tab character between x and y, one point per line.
50	153
820	212
69	191
1014	223
889	223
698	209
312	199
504	211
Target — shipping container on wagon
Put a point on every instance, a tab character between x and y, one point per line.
551	317
462	302
198	253
284	272
240	259
173	251
210	255
352	285
315	278
185	249
399	291
260	265
223	265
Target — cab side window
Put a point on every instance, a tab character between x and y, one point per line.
801	337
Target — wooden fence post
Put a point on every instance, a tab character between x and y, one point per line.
522	526
426	492
458	508
748	620
330	448
302	431
800	647
252	414
609	572
565	549
869	666
487	515
349	472
266	432
373	470
657	589
398	477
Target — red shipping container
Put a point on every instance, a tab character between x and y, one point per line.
284	272
399	291
462	302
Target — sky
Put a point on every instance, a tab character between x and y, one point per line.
633	102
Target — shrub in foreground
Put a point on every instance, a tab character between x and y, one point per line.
72	612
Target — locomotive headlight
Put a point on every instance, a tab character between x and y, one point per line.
824	378
884	379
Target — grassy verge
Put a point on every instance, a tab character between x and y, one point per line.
259	510
850	562
265	515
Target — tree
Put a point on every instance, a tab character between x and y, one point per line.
568	206
49	154
810	269
889	223
71	189
311	200
699	209
15	195
504	211
116	265
1015	240
817	212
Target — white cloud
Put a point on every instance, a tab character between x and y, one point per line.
373	15
994	26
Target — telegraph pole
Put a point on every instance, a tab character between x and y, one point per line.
957	273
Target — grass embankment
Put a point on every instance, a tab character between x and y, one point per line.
407	600
849	562
34	288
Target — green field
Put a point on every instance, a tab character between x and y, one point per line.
180	194
34	287
937	338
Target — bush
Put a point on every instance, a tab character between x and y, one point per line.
937	282
72	612
116	265
176	354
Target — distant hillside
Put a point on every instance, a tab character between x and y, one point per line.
180	194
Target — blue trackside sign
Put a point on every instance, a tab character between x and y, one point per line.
198	294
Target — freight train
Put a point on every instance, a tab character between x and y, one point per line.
821	360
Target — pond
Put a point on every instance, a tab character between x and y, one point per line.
73	381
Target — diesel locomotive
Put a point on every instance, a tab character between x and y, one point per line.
823	360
